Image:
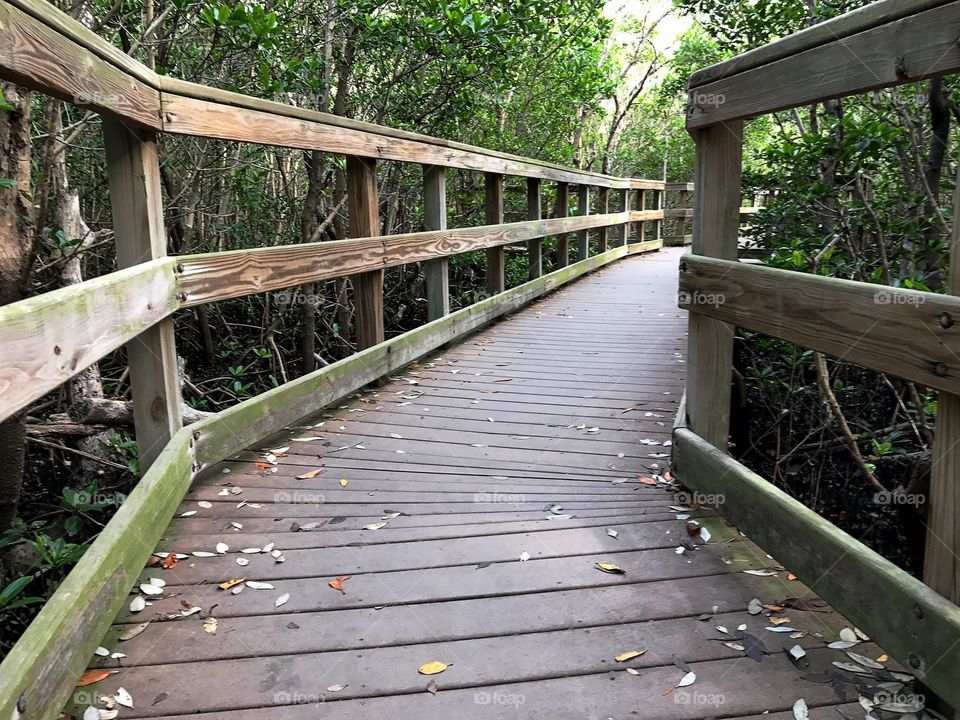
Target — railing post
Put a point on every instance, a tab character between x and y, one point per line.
563	210
623	232
941	566
640	225
436	271
534	246
493	191
603	202
716	227
363	204
583	209
133	173
659	204
683	201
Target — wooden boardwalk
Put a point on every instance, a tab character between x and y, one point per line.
514	461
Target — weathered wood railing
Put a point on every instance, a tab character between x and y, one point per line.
47	339
910	334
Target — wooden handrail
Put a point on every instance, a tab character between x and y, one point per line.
891	43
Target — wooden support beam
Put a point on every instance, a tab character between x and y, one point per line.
133	172
562	210
534	246
623	231
363	203
716	226
640	227
915	625
583	209
493	192
603	207
437	271
941	565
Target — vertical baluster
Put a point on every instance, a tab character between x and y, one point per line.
583	209
603	207
133	173
534	246
563	210
436	271
493	190
363	204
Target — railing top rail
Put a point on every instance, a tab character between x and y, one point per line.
44	48
889	43
869	16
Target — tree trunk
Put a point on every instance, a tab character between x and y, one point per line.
16	261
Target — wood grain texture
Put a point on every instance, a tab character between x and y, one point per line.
823	33
941	566
603	207
892	330
912	622
436	272
210	277
716	230
364	210
911	48
493	212
133	173
37	57
47	339
534	245
623	231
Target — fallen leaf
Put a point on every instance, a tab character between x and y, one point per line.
123	698
282	600
612	533
227	584
646	480
610	568
310	475
133	631
633	671
336	688
687	679
754	607
848	635
433	688
210	626
337	584
170	561
524	556
344	483
257	585
375	526
629	655
432	668
92	676
779	620
800	711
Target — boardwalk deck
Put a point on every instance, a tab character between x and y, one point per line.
475	448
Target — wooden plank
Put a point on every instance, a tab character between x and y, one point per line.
493	210
716	230
133	172
850	23
245	423
562	210
941	566
583	210
210	277
41	670
47	339
913	623
38	57
909	49
892	330
364	210
436	271
603	206
534	246
190	109
640	227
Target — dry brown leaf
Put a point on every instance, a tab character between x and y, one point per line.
610	568
646	480
337	584
92	676
779	620
310	475
629	655
227	584
344	483
170	561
